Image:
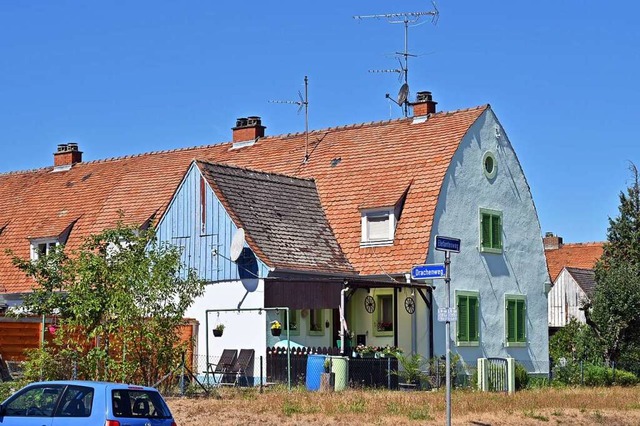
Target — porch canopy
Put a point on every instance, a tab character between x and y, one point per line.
307	291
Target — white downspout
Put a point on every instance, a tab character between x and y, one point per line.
342	320
414	321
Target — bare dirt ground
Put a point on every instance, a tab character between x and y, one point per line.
592	406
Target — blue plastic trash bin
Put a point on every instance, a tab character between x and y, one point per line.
315	367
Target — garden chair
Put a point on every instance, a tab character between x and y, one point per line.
222	370
243	364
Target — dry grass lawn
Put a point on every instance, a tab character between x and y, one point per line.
581	406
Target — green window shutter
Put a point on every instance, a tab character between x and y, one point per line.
496	232
486	230
511	320
473	318
463	319
521	321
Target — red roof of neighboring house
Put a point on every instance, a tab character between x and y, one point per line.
575	255
354	167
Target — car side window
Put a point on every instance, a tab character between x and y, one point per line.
76	402
37	401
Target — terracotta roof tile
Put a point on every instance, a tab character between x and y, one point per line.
575	255
138	187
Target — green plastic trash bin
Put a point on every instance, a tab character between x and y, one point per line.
340	367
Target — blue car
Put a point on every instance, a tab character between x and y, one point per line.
83	403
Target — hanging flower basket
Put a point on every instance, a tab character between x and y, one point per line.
217	332
276	328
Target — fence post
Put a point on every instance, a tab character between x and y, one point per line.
511	375
550	370
389	372
261	376
483	371
582	372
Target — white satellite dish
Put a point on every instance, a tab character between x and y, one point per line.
237	244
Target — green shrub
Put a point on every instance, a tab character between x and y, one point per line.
9	388
595	375
522	377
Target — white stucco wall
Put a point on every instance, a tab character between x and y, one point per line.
243	330
520	269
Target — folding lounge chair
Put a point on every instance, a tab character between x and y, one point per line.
221	372
243	365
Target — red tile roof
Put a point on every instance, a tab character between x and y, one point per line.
575	255
378	162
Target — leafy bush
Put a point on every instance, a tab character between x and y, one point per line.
604	376
522	377
9	388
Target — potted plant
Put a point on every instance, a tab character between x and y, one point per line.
217	331
276	328
410	371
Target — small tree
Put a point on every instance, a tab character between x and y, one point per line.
121	299
614	310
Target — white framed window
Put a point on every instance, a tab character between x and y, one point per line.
42	247
383	324
378	227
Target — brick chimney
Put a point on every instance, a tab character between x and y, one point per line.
248	129
67	155
424	104
551	242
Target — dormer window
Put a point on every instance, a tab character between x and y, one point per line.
42	247
378	227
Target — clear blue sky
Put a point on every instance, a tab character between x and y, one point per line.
125	77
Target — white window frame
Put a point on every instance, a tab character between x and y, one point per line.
365	240
49	243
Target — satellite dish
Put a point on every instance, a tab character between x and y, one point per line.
403	94
248	270
237	244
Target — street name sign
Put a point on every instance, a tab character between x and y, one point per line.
447	244
427	272
447	314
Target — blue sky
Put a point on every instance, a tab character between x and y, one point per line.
125	77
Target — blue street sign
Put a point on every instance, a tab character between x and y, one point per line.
428	272
447	244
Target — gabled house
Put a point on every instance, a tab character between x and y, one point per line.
571	271
310	222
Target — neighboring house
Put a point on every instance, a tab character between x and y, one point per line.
339	214
571	271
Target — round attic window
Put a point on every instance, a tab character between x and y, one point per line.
489	165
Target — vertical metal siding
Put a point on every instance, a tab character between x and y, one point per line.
199	238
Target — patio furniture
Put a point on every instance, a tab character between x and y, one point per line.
222	371
243	364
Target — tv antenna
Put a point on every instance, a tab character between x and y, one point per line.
408	19
302	103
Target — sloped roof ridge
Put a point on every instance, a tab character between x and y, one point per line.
374	123
587	243
261	172
573	268
281	136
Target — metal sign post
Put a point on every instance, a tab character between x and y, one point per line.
448	245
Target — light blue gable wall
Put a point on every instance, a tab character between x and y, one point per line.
183	225
520	269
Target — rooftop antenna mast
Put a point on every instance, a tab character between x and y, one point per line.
302	103
408	19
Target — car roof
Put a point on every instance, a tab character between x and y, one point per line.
94	384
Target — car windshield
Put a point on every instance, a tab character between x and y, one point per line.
139	403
